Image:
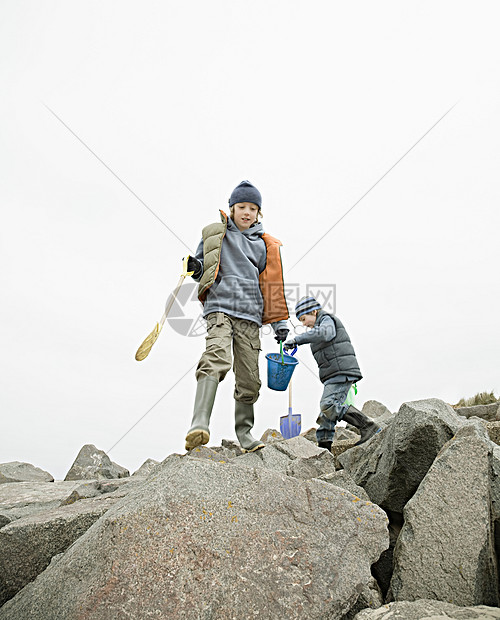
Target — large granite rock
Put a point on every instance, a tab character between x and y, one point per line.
341	446
27	545
428	610
383	568
15	471
342	434
342	480
91	464
146	468
450	537
46	528
377	411
495	482
296	457
309	434
22	499
271	435
297	448
370	597
218	454
495	496
493	430
278	456
96	488
312	466
393	463
203	539
88	490
490	413
445	550
233	446
268	457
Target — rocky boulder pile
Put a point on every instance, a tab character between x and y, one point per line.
406	525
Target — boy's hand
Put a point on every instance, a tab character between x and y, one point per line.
194	265
281	334
290	344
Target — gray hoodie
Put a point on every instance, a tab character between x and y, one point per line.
236	289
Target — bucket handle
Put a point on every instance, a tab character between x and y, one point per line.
281	352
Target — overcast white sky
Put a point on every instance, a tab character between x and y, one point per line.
312	102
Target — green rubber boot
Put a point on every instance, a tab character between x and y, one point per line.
366	426
198	434
243	422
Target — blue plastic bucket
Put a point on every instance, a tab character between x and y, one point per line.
279	371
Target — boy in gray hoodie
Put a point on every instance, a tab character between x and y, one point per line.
338	370
240	276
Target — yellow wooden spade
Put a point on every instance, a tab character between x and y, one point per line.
147	345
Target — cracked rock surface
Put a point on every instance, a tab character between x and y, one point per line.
222	541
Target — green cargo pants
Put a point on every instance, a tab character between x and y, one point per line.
222	331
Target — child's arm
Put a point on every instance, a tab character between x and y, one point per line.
323	332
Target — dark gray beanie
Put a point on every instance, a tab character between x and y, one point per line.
245	192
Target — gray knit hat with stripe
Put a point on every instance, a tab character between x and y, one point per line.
245	192
306	305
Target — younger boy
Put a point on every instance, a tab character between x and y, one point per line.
338	370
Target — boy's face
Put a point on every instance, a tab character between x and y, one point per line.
245	214
308	320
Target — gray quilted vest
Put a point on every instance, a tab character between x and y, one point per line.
335	357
